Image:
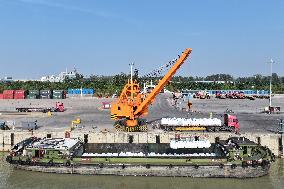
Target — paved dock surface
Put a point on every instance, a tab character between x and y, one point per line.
94	117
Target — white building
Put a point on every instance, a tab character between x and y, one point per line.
60	77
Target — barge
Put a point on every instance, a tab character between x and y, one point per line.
236	157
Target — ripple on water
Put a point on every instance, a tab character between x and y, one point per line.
18	179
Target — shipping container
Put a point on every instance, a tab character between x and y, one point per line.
87	91
45	94
20	94
58	94
33	94
8	94
74	91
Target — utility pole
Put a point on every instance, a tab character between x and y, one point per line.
131	71
131	78
270	82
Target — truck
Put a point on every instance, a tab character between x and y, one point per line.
230	124
202	95
220	95
59	107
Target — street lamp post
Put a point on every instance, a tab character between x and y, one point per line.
131	71
131	78
270	82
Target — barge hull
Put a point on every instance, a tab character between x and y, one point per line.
162	171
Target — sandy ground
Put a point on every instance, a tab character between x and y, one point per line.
93	117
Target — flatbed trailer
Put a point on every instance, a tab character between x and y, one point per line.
44	110
59	107
230	124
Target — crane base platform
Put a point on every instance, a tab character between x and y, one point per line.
121	126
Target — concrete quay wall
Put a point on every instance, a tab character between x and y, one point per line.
10	138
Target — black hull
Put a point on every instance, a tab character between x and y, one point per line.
226	171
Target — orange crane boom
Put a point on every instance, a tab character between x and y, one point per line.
163	82
131	104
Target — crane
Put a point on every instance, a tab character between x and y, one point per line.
131	105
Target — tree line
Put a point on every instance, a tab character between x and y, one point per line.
108	85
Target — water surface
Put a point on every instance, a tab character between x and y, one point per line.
11	178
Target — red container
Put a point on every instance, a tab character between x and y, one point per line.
8	94
20	94
1	96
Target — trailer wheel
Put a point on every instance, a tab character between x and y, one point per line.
217	129
209	129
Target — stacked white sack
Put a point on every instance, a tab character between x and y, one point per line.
191	122
190	144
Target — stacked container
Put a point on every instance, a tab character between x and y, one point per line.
8	94
20	94
45	94
58	94
33	94
79	92
74	91
88	92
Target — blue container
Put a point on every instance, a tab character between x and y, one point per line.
70	91
84	91
91	91
77	91
87	91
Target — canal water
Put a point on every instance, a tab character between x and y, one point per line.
18	179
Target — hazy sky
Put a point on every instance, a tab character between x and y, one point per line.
40	37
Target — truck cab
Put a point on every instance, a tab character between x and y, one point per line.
231	121
59	107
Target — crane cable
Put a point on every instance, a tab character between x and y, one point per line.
158	72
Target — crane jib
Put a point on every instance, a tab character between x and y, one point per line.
163	82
